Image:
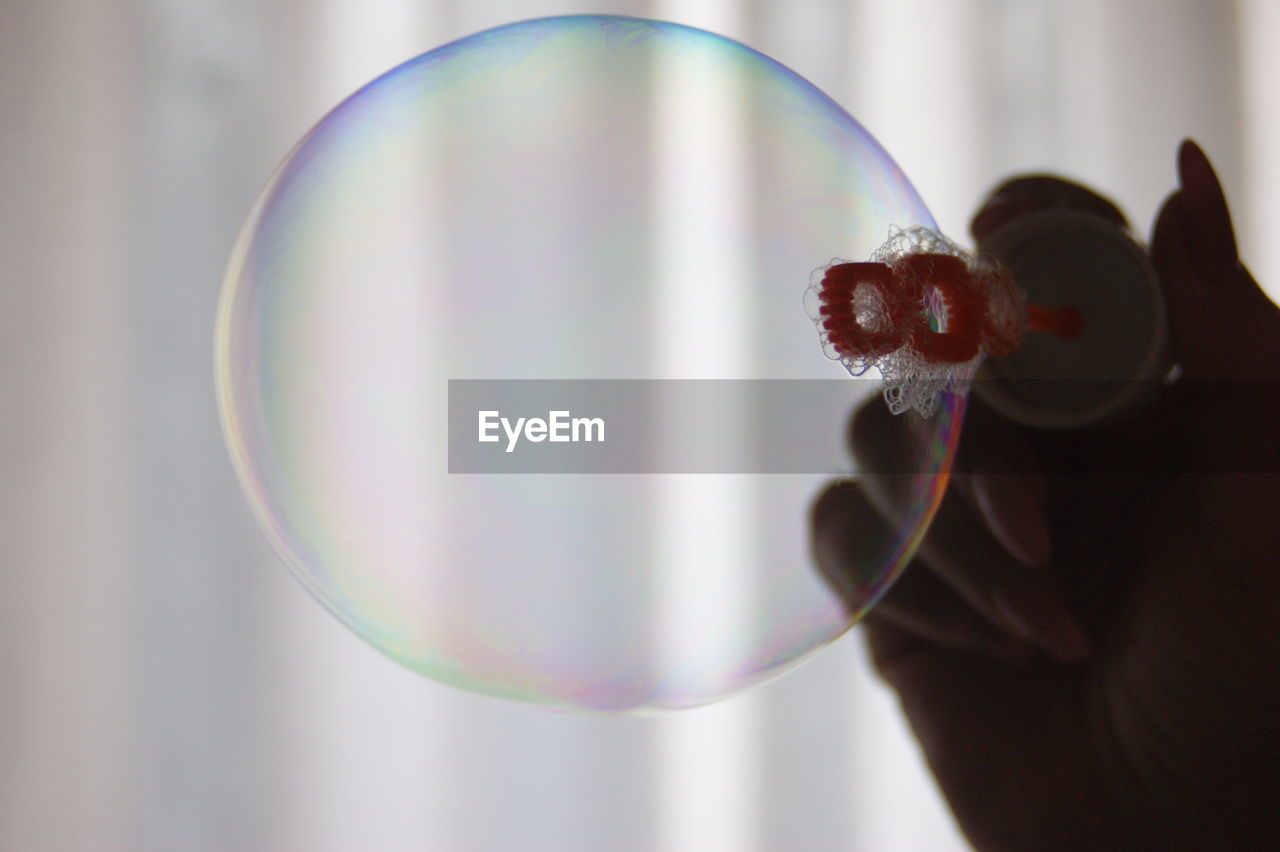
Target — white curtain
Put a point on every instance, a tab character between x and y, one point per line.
167	685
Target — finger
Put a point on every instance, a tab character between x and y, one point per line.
937	685
897	653
1212	240
920	602
844	520
1221	324
1032	193
1027	603
964	553
845	535
1005	484
1195	326
1206	322
1012	506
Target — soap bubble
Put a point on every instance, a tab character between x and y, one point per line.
569	198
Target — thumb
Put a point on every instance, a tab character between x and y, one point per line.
1222	324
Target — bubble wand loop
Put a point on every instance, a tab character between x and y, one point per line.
902	321
925	312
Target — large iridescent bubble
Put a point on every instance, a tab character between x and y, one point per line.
568	198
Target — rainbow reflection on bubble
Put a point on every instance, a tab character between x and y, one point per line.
568	198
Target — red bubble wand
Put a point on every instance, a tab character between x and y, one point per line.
924	312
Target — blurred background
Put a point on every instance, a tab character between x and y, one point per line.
168	686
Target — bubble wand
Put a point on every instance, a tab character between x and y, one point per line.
926	314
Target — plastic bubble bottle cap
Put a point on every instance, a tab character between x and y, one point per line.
1069	257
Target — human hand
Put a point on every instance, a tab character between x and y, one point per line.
1085	643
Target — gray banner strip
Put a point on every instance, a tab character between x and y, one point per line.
651	426
796	426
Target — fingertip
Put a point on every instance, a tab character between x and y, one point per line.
1194	167
996	212
879	440
840	516
1188	150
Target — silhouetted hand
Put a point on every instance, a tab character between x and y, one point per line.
1090	660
